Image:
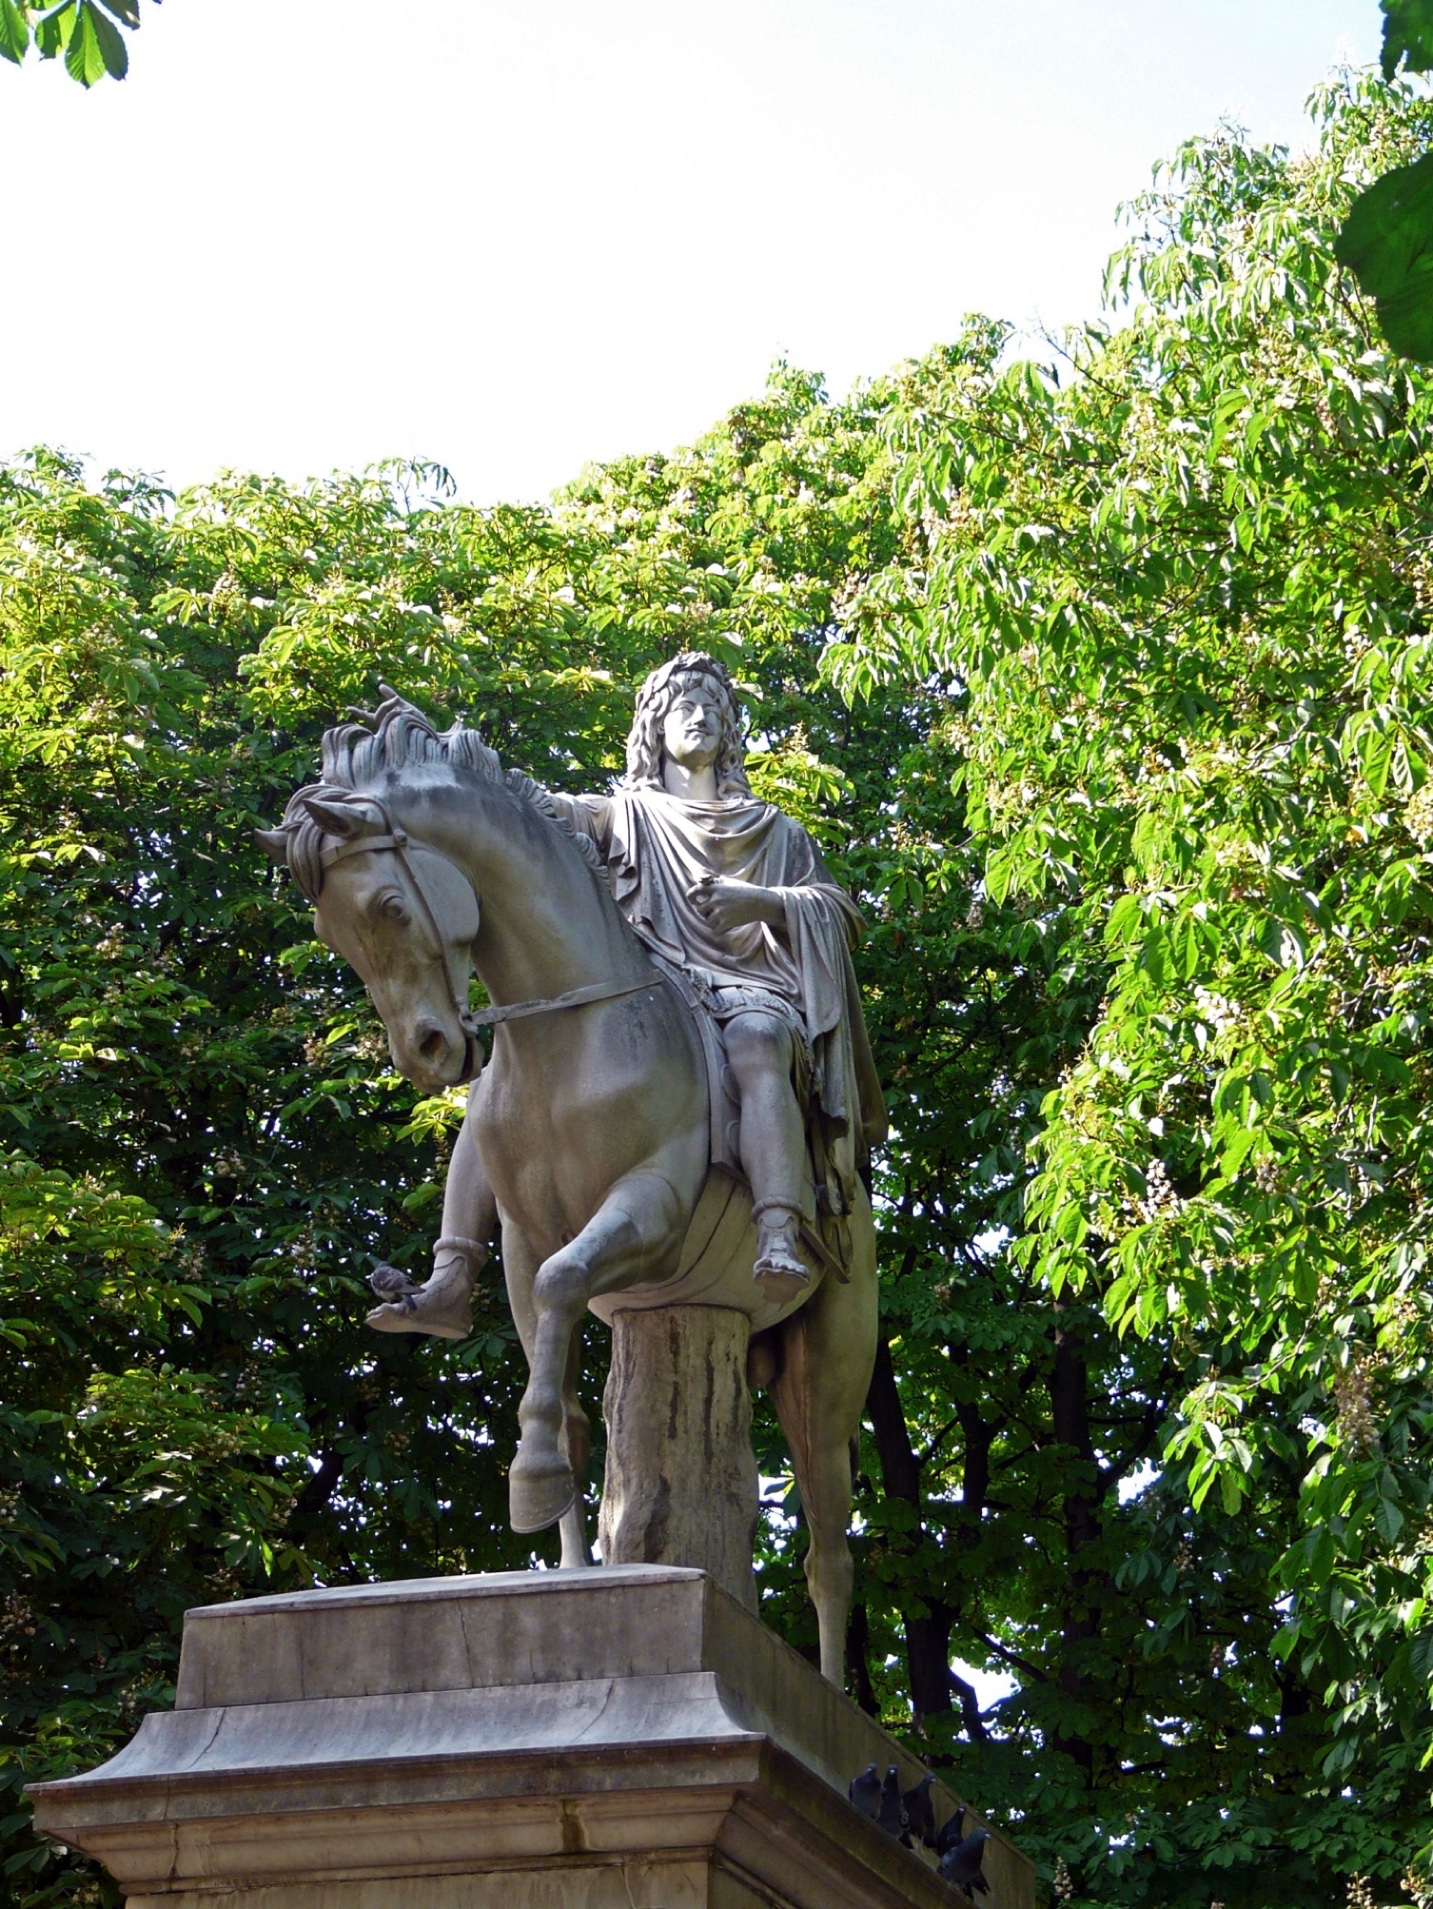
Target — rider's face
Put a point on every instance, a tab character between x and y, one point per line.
692	728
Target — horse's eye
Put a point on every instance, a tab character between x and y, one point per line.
393	909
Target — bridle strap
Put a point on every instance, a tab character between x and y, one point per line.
395	840
574	998
363	846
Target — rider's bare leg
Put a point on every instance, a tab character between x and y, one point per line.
760	1052
443	1306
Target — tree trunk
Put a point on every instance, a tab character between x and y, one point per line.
1069	1408
858	1661
928	1632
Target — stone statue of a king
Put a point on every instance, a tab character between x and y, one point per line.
732	901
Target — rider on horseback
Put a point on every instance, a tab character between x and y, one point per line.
733	903
731	897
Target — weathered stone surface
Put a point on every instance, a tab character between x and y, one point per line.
635	1885
619	1739
680	1485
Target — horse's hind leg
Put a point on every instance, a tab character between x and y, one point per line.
634	1235
520	1264
825	1357
577	1446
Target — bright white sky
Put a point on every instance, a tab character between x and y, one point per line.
515	235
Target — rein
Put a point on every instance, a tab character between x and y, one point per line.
395	841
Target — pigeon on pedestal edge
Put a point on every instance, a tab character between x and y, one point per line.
865	1792
961	1865
920	1817
891	1817
948	1835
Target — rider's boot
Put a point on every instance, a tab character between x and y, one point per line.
778	1270
443	1306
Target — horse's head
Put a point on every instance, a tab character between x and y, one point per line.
401	914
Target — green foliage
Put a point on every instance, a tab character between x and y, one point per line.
1387	238
1407	36
1182	583
1104	684
1387	242
81	31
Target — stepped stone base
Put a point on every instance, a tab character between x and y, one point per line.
626	1738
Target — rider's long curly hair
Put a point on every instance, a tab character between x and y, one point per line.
655	698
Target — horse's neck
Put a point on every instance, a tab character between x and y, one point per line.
548	924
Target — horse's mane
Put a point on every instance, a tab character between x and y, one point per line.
396	735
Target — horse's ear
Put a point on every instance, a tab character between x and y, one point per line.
275	844
335	818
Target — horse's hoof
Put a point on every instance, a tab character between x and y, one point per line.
539	1491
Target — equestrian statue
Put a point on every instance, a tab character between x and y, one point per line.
680	1103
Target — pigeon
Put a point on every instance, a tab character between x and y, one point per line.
961	1865
891	1817
948	1835
920	1817
394	1287
865	1792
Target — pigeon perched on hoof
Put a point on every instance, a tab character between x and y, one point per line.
394	1287
961	1865
865	1792
891	1816
443	1307
920	1817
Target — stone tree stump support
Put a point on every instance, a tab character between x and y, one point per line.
680	1485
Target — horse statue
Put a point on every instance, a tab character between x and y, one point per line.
588	1136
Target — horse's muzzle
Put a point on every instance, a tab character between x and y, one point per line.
432	1047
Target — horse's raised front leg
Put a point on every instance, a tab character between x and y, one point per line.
824	1362
634	1235
520	1265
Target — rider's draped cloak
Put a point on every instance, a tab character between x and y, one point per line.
656	846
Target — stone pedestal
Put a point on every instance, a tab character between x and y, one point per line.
627	1738
680	1485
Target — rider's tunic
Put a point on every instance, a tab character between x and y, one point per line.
655	847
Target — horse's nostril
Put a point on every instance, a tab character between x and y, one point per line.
432	1045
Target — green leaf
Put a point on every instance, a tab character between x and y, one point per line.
53	29
126	10
1387	243
14	32
1407	36
113	50
84	56
1282	943
1236	1151
1387	1516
